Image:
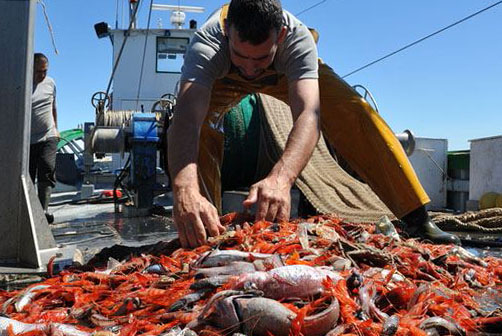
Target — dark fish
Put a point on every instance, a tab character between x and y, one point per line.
213	282
390	326
442	326
187	300
156	269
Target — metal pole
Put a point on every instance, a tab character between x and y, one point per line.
23	228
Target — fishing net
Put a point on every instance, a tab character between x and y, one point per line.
328	187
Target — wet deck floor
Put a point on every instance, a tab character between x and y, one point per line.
92	227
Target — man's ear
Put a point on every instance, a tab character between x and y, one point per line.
282	35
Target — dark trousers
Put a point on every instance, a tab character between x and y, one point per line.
43	163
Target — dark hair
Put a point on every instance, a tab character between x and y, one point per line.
39	57
253	19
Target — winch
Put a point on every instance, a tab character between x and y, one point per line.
139	138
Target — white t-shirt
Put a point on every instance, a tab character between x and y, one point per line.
42	120
208	56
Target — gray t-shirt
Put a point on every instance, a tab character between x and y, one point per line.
42	120
208	57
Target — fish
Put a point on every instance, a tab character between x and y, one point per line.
390	326
177	331
442	326
233	268
212	282
188	299
252	315
19	327
319	324
224	257
298	281
101	321
61	329
58	329
467	256
27	296
367	297
156	269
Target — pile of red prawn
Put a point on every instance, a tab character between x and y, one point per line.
128	300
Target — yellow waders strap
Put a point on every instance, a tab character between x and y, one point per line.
315	34
223	17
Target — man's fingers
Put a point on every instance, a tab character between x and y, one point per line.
199	232
182	234
262	210
272	212
221	228
190	233
211	222
283	213
252	197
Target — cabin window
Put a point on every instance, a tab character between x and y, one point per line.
171	53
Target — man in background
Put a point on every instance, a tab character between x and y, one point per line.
44	132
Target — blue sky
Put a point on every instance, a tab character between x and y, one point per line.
448	86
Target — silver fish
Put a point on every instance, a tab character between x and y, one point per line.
18	327
442	326
224	257
467	256
66	330
26	297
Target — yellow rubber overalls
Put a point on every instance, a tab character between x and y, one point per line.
352	127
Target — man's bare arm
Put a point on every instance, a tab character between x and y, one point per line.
55	113
305	107
192	212
183	137
273	192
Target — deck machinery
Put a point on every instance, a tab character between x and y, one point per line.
139	138
146	64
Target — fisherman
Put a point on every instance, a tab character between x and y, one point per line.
254	46
44	132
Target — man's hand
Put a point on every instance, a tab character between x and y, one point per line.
193	215
273	192
273	198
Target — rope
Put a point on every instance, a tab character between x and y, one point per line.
489	221
51	32
133	18
144	52
422	39
120	118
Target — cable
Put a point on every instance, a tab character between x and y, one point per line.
133	19
422	39
51	32
117	16
144	52
311	7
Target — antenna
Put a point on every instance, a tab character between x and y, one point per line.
178	12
